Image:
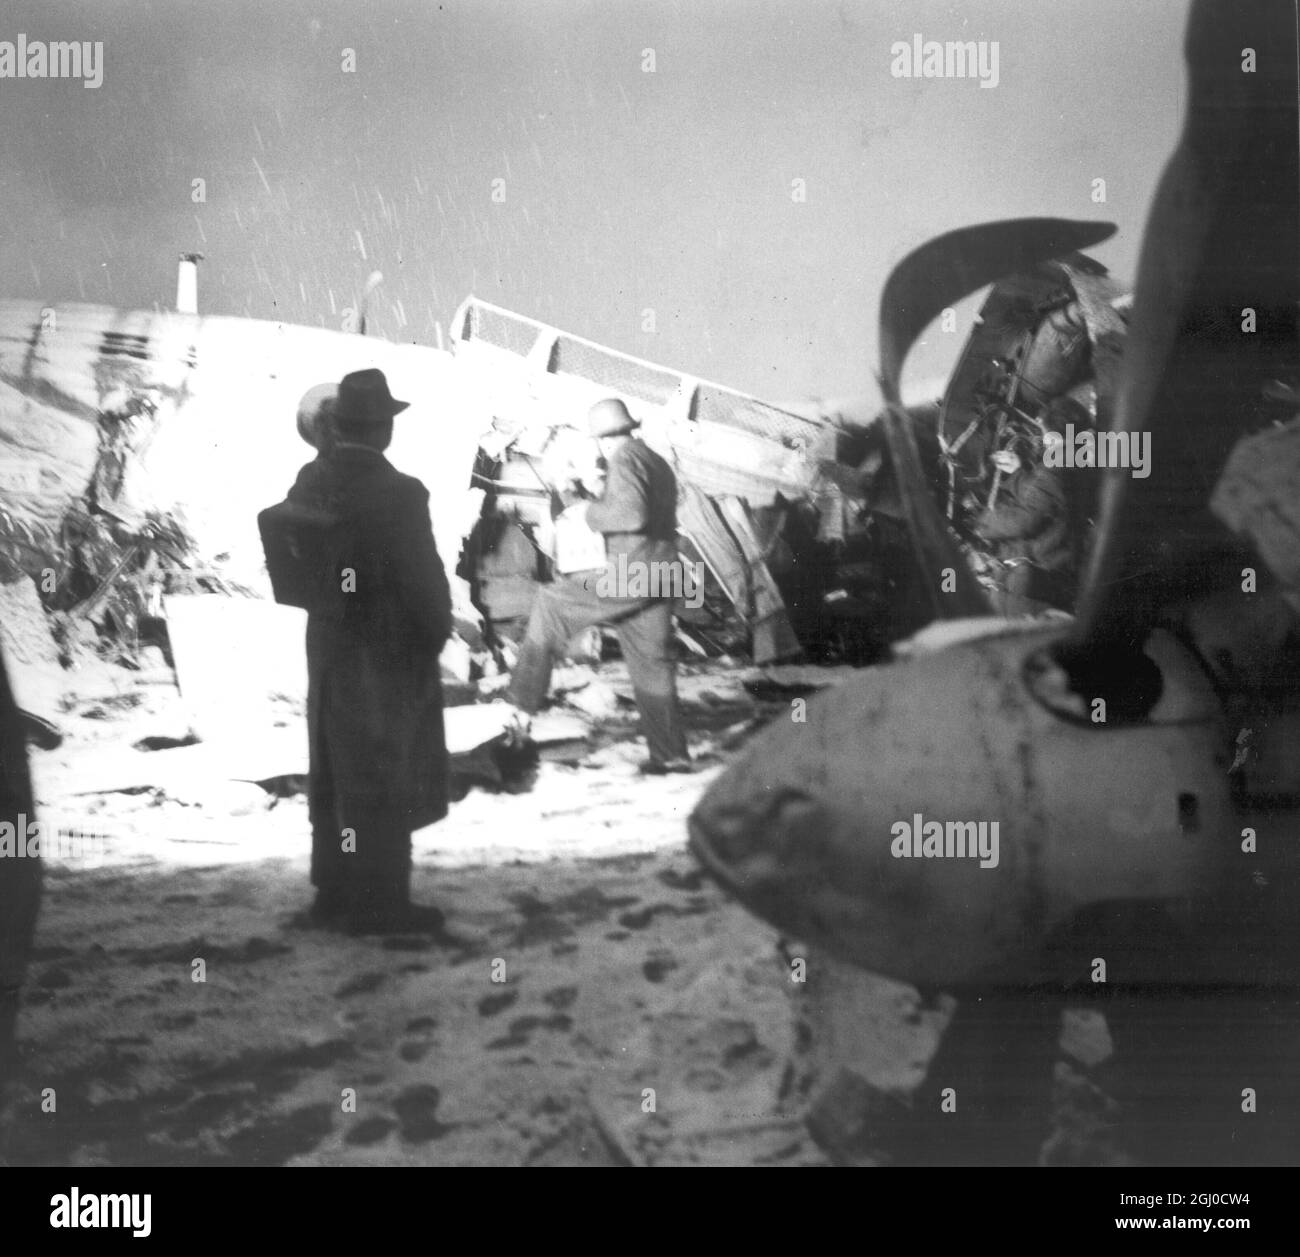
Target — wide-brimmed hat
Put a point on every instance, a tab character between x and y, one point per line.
364	398
610	418
314	409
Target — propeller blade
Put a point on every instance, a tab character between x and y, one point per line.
950	267
1220	240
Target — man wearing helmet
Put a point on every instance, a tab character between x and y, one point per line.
637	514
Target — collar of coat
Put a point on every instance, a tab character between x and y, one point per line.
352	448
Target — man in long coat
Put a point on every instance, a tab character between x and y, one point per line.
379	613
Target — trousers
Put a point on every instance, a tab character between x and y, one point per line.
645	634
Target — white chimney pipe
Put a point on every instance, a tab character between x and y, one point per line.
187	283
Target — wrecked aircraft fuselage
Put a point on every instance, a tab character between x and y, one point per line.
142	443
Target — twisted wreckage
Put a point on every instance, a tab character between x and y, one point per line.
1136	755
141	445
1133	756
138	446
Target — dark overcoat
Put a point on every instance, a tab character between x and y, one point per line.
375	629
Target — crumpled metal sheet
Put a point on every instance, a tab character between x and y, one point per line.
723	441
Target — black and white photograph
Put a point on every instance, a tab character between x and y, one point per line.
650	583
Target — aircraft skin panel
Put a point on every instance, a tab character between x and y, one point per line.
224	443
200	409
730	442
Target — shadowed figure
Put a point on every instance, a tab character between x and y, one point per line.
20	876
355	537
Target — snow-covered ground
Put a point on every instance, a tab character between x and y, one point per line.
591	962
597	1001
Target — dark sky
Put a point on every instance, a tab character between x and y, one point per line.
624	189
